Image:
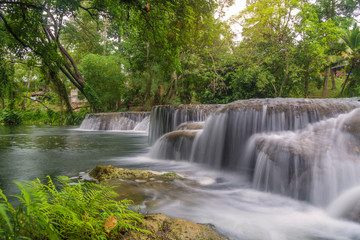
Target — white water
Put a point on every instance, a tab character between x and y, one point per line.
296	161
226	200
315	164
137	121
346	205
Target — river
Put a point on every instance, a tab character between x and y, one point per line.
220	197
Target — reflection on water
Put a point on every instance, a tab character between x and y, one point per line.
28	152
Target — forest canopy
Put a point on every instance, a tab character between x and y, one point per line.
134	54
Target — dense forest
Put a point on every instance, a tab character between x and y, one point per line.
134	54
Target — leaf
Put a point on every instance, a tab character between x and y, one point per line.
110	223
3	214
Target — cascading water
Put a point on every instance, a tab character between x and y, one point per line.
165	119
138	121
274	142
315	164
223	142
177	144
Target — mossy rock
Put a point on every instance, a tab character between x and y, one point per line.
103	173
167	228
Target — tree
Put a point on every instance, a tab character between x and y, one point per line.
37	26
167	45
104	74
268	33
341	13
351	40
315	48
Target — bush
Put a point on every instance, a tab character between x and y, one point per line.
37	116
75	118
11	118
85	211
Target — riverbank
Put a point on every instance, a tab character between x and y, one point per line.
132	184
64	209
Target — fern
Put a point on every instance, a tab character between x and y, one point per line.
82	211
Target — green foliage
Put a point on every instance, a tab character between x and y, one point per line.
11	117
92	97
352	89
36	116
252	82
123	54
52	117
104	75
75	118
81	211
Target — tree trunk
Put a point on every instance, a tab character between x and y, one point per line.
326	82
284	79
148	80
306	85
61	90
346	80
333	73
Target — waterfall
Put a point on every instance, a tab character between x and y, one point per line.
165	119
302	148
223	142
138	121
175	145
315	164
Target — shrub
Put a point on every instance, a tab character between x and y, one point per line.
82	211
11	118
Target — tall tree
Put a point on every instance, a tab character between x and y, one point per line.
268	33
351	40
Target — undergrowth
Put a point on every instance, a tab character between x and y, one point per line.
81	211
48	117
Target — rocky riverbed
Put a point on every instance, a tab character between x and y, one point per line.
137	185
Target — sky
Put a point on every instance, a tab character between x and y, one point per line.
238	6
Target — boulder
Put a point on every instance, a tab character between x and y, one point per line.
104	173
167	228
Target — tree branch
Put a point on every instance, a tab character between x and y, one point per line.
37	101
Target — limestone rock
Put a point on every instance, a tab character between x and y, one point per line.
103	173
167	228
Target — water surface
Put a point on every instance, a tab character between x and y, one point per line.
29	152
223	198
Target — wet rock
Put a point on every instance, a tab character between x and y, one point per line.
126	183
167	228
167	118
176	135
293	106
191	126
314	164
175	145
103	173
352	124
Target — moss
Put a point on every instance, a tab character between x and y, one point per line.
103	173
171	176
172	229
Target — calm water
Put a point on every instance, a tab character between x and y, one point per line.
29	152
224	199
